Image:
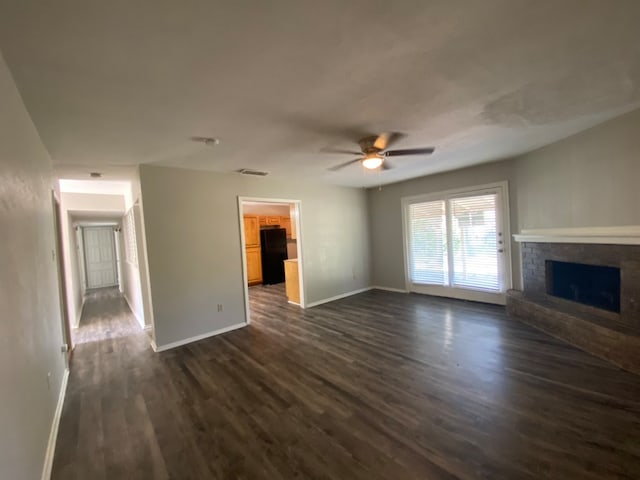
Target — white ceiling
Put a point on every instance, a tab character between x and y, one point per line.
117	83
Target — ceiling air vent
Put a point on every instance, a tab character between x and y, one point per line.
248	171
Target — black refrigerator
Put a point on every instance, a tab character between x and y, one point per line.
273	246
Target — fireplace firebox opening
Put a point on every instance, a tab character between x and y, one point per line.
594	285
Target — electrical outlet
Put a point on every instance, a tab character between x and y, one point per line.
219	307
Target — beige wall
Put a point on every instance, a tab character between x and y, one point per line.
30	327
195	255
385	216
589	179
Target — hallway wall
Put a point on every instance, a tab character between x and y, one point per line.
32	366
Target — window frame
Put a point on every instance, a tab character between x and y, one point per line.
503	220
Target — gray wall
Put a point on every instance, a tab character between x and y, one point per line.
589	179
385	214
31	327
195	255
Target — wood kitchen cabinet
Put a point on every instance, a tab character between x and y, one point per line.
273	220
252	249
292	285
292	222
285	222
254	265
251	231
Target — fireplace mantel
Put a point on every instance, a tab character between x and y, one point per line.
624	235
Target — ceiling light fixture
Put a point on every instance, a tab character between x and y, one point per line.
372	161
211	142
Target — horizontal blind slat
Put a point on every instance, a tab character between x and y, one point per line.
474	242
427	247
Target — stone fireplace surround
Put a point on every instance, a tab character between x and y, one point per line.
608	335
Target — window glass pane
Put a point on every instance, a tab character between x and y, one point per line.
474	242
427	243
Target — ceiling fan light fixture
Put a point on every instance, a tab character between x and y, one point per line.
372	162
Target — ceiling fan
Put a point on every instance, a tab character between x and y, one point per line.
374	151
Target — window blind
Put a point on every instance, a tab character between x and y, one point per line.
427	243
131	247
474	246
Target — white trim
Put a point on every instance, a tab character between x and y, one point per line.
298	207
461	294
425	197
338	297
505	218
53	434
179	343
140	322
390	289
623	235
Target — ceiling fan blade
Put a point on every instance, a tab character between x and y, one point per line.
385	140
410	151
338	150
345	164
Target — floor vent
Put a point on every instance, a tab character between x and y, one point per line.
248	171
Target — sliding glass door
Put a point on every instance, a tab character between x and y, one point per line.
456	244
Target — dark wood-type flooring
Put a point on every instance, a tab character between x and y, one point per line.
376	386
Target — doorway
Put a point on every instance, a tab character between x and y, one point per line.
64	307
100	257
457	243
271	253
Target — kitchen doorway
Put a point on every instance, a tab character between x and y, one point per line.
271	254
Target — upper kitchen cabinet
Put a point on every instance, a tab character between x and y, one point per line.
251	231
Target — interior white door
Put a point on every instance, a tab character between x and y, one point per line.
100	258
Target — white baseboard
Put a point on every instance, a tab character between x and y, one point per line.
338	297
53	434
389	289
140	322
179	343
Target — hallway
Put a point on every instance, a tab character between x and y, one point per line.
105	316
97	434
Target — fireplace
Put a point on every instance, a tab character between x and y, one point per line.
583	286
594	285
